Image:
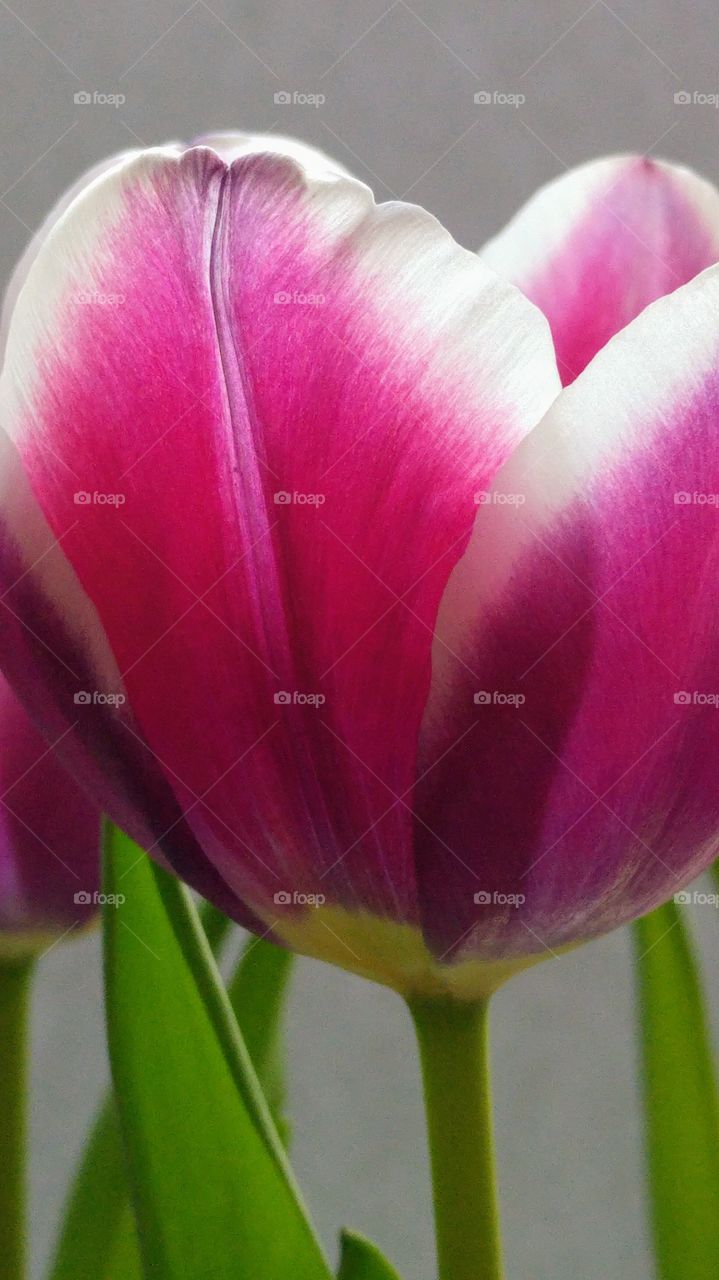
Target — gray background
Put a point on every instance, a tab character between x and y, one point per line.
399	82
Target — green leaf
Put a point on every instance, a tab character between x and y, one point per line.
257	994
680	1100
214	1195
362	1260
96	1213
124	1262
98	1222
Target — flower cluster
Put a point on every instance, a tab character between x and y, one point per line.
429	737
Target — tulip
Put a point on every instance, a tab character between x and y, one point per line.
340	605
49	864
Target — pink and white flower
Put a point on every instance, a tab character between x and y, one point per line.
380	631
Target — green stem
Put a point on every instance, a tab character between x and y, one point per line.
453	1047
14	984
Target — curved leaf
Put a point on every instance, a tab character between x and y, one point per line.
680	1100
94	1215
213	1192
97	1222
362	1260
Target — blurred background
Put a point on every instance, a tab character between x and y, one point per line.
390	90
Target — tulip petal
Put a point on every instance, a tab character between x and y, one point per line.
49	834
56	657
583	620
231	146
19	274
597	245
278	403
228	145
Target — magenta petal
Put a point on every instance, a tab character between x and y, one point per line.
597	245
49	836
56	656
584	778
279	402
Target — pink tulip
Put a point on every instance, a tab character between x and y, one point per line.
49	839
385	642
593	248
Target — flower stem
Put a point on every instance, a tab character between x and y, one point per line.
453	1047
14	984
